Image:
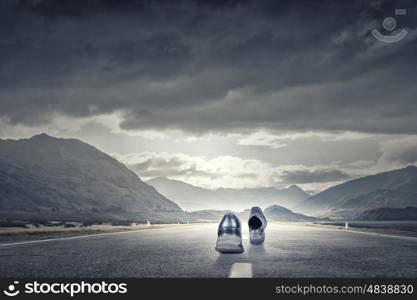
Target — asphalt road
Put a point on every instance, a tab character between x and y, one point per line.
188	251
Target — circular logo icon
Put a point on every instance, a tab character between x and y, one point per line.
389	24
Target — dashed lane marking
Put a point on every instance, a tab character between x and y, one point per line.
241	270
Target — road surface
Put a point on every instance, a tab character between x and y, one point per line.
188	251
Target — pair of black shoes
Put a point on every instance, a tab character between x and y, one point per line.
229	238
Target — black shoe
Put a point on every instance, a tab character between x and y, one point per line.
229	234
257	224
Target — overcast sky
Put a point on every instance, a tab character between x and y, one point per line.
243	94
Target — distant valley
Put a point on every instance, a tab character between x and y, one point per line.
273	213
192	198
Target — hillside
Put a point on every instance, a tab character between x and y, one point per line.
387	188
390	214
50	178
380	198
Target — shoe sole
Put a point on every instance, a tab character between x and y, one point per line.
229	243
257	241
256	238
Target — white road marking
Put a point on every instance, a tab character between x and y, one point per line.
387	235
241	270
403	237
85	236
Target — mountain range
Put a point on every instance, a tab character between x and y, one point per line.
408	213
273	213
392	189
51	178
191	197
66	179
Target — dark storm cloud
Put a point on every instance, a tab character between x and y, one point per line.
205	66
313	176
